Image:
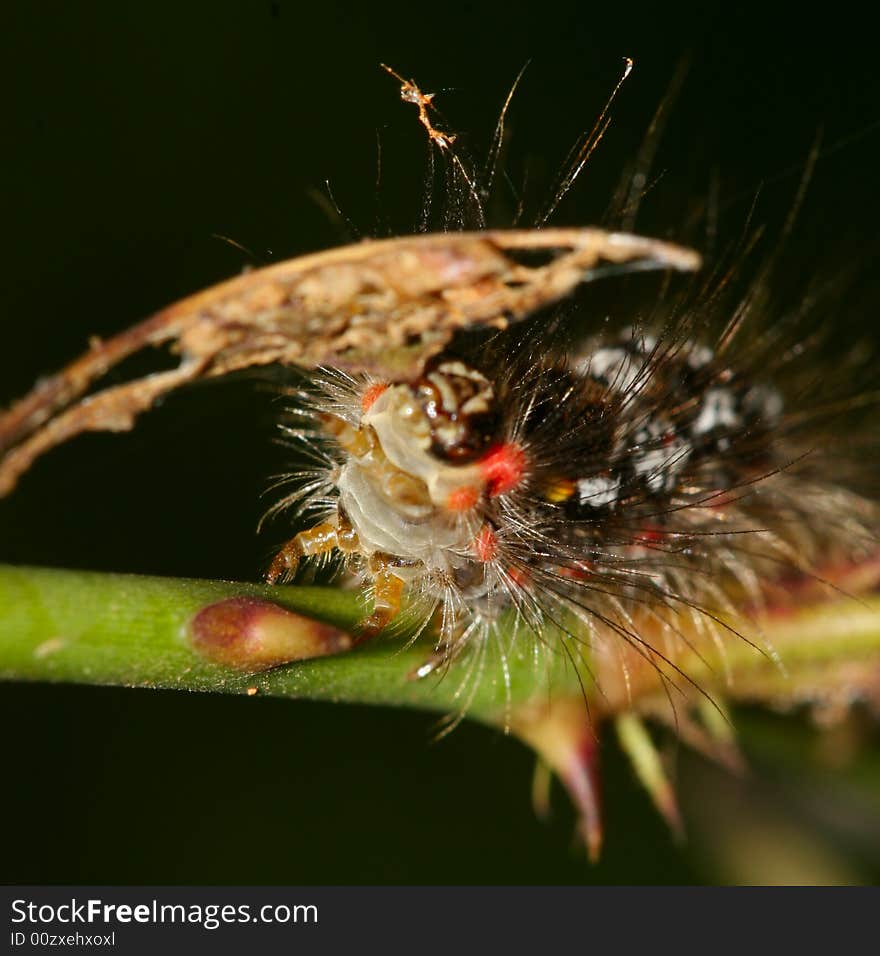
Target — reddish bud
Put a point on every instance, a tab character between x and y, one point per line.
251	635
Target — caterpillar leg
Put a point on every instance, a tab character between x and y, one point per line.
326	537
318	540
387	595
321	539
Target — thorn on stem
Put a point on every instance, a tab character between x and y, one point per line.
638	746
564	739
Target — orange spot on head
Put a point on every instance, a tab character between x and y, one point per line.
371	394
462	499
503	467
486	544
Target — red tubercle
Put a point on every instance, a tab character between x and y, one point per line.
650	534
519	576
503	468
371	394
463	499
485	544
576	572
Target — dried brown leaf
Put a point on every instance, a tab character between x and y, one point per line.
378	306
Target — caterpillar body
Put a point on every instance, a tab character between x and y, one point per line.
642	496
639	476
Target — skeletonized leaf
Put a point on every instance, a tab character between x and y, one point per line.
378	306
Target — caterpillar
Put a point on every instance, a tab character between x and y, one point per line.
634	496
649	480
637	476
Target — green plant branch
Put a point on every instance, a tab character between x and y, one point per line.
134	631
112	629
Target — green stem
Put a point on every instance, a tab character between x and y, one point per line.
134	631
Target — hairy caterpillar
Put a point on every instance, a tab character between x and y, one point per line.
638	476
649	480
649	487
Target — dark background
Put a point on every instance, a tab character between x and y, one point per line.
131	134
